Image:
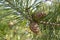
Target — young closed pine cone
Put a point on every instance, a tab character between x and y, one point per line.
38	16
34	27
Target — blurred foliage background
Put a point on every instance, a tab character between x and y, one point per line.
15	17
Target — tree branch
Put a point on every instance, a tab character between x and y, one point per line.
18	10
49	23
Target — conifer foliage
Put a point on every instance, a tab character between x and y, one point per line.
37	14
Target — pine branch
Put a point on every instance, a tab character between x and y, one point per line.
26	16
49	23
18	10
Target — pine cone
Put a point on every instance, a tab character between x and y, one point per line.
34	27
38	16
